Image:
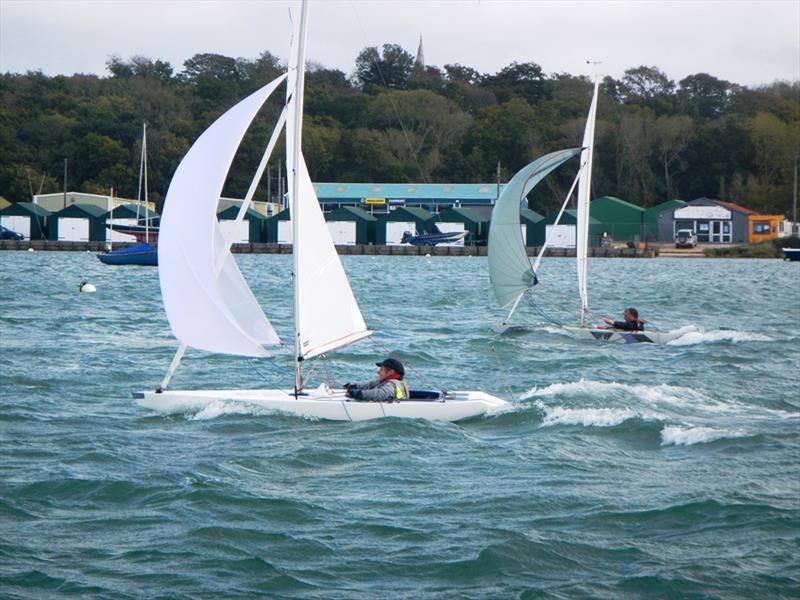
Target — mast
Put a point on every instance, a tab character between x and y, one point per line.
111	223
146	203
294	165
584	195
143	175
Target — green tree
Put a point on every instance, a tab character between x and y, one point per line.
704	97
389	69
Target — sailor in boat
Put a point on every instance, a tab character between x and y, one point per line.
388	387
632	321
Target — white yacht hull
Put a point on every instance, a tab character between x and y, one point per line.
326	404
627	337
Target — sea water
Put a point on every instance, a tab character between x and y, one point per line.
619	471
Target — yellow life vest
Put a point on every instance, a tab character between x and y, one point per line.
400	390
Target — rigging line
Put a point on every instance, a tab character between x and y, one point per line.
252	364
503	372
328	378
391	101
541	312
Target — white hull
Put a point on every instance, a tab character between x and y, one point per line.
322	403
618	336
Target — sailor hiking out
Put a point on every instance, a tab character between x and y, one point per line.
388	387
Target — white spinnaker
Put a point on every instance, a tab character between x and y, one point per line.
510	269
326	312
584	191
208	303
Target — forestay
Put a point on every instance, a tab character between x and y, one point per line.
208	303
510	269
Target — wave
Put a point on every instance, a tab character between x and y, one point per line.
698	336
588	417
688	436
652	394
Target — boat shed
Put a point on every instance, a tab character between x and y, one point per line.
250	230
528	220
563	235
379	198
78	223
464	219
278	228
351	225
714	221
390	227
621	220
127	214
27	218
651	216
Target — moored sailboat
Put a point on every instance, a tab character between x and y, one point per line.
210	306
145	253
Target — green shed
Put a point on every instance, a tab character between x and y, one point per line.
26	218
528	220
278	228
464	219
651	216
564	234
250	230
78	223
390	226
621	220
351	225
128	214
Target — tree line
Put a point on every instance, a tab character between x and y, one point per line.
393	120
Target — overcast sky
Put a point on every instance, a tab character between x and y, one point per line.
745	42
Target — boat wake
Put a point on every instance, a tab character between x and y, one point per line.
687	416
698	336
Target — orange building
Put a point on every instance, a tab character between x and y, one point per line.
761	228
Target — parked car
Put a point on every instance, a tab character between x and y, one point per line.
685	238
8	234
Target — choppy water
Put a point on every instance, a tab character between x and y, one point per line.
622	471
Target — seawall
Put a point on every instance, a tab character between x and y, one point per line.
356	249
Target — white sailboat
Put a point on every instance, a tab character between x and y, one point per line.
210	306
511	272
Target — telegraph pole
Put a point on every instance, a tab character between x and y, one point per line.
795	228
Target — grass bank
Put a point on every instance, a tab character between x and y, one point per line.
768	249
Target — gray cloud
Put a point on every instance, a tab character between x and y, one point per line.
745	42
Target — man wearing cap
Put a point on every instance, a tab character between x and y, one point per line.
389	387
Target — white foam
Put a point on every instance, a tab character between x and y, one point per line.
692	338
214	409
652	394
587	417
688	436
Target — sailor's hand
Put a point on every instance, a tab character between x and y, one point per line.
350	386
354	393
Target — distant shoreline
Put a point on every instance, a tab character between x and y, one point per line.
355	249
654	251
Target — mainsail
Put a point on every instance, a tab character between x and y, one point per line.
510	269
208	303
584	191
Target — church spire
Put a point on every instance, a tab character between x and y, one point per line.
419	63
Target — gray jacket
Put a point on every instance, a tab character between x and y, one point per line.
375	391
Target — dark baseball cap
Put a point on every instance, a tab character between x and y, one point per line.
393	364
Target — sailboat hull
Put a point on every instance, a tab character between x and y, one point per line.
618	336
326	404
